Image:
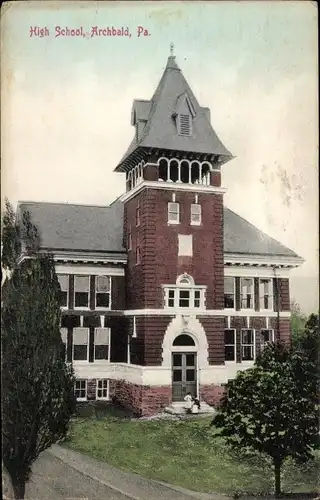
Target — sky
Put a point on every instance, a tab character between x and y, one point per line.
66	104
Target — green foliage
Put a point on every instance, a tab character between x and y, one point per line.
271	408
298	322
37	385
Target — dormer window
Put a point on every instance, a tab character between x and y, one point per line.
184	114
184	125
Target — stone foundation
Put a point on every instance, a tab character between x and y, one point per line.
146	400
212	394
142	400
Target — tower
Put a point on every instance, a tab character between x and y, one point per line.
173	230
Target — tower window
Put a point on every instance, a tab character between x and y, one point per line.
138	214
195	214
129	238
173	213
184	124
138	252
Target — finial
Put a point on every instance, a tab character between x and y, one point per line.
171	49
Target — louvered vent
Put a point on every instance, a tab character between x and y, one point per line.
185	125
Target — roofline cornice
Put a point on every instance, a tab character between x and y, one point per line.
171	186
266	260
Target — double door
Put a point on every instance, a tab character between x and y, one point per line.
184	375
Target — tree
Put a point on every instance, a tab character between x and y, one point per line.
298	322
37	385
269	409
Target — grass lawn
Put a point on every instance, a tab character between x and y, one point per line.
184	453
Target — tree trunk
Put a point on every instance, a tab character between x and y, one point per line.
277	477
19	489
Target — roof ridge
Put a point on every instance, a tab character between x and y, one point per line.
32	202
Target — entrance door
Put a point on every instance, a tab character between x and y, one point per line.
184	375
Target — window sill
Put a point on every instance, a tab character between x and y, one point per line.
103	308
81	399
80	362
103	399
101	361
173	223
80	308
195	224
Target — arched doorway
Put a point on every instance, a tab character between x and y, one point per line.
184	367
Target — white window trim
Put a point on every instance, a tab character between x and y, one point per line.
138	211
108	390
129	238
65	330
234	296
249	361
228	361
252	295
199	222
83	308
169	212
138	261
182	287
272	335
86	388
103	361
270	295
65	308
95	296
80	361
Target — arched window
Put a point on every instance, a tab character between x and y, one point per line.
185	280
183	340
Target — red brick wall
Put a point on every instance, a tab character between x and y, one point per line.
284	329
284	294
214	328
150	331
143	400
215	179
118	292
159	247
212	394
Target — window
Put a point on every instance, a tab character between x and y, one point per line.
247	296
266	337
171	294
101	343
80	390
81	291
103	389
247	345
180	297
184	298
129	242
230	345
138	254
229	292
103	286
138	214
64	338
197	298
195	214
173	213
184	124
183	340
266	293
80	344
64	292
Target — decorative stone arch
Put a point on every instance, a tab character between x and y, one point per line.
191	326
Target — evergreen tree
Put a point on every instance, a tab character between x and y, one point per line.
37	385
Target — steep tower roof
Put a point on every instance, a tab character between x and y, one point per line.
156	125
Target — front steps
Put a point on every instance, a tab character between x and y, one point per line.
178	408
